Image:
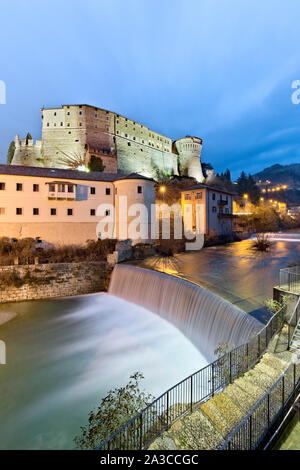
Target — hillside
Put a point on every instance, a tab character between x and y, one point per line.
281	174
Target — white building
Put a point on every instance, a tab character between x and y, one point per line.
60	206
216	205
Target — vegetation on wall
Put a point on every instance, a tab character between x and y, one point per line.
10	153
95	164
27	249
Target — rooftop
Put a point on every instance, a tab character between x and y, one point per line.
206	186
20	170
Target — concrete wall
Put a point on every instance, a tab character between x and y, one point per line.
55	280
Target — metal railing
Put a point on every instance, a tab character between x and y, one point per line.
184	397
289	279
293	321
258	427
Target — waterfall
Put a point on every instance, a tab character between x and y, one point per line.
206	319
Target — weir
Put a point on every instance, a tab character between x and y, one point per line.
205	318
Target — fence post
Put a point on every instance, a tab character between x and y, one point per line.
230	368
167	409
213	379
141	432
191	393
250	431
282	396
268	410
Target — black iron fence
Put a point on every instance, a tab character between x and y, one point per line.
184	397
293	321
255	431
289	279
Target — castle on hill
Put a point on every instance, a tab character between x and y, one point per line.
73	134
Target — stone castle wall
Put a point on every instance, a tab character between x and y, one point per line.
53	280
79	131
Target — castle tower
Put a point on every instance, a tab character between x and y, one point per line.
189	151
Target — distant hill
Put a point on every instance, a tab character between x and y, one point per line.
281	174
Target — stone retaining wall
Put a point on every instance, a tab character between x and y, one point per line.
52	280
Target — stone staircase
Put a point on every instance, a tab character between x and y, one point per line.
211	422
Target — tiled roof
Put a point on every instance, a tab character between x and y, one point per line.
206	186
20	170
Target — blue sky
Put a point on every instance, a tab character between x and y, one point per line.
218	69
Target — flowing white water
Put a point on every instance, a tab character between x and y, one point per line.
206	319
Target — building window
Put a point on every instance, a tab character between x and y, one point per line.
70	211
214	209
93	190
19	187
70	188
48	124
93	212
2	186
187	197
199	196
96	115
107	191
80	112
52	188
107	212
19	211
35	211
61	123
36	188
139	189
54	114
214	196
52	211
2	210
129	144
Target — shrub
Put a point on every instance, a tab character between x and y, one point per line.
118	407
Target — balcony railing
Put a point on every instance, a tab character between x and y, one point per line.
289	279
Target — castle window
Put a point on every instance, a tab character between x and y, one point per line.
70	212
125	135
47	124
76	140
96	115
117	132
80	112
68	113
2	210
54	114
80	124
92	212
68	125
61	123
117	122
35	211
54	124
133	138
107	191
19	187
36	188
142	141
129	144
19	211
69	132
80	106
2	186
93	190
107	128
52	211
141	150
107	212
139	189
